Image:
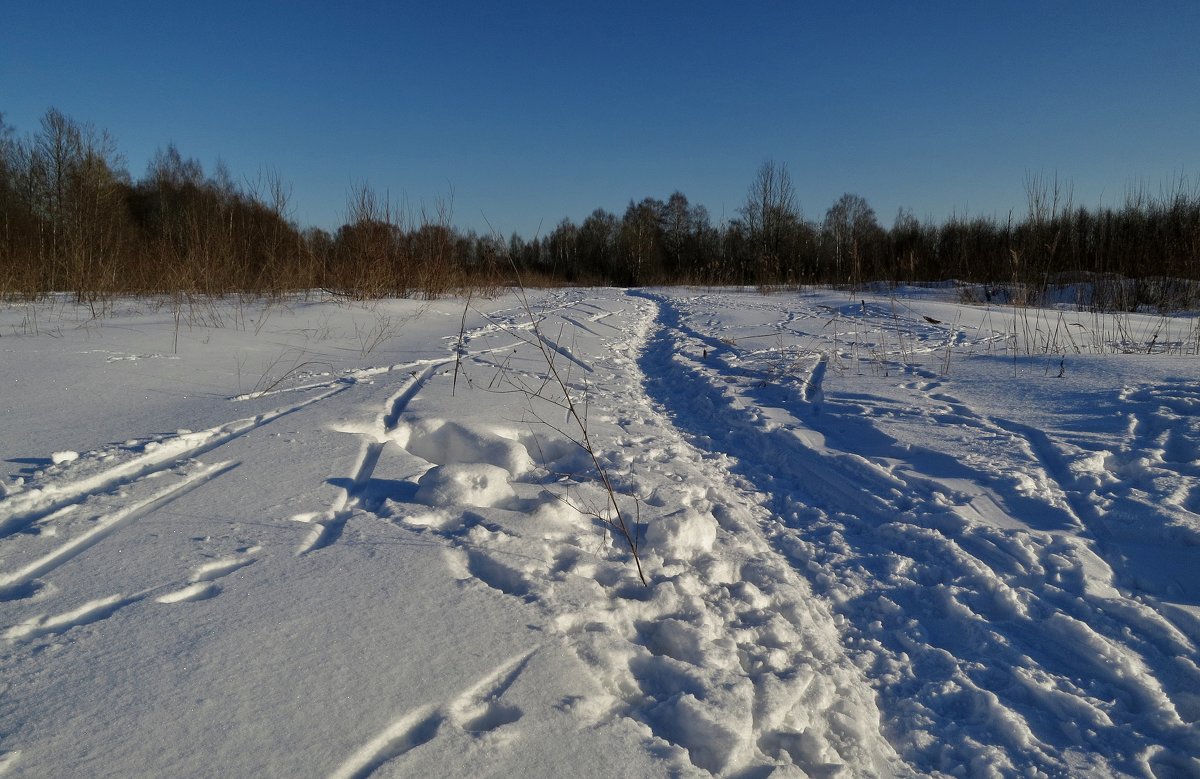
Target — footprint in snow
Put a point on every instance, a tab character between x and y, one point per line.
92	611
202	583
477	711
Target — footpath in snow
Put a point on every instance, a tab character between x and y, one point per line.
884	536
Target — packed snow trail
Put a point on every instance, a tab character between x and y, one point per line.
878	543
726	655
993	642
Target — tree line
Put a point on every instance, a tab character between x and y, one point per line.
73	219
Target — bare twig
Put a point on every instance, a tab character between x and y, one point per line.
578	433
461	345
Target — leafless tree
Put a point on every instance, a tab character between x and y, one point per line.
771	219
849	226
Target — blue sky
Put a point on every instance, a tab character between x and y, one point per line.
531	112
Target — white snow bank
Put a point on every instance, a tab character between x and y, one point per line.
464	484
447	442
682	535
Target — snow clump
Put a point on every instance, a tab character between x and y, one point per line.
464	484
682	535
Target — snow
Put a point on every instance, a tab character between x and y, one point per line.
887	534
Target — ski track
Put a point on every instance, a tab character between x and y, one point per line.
953	642
92	611
329	525
178	453
1098	486
21	510
202	584
106	526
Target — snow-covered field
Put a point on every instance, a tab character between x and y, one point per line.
886	535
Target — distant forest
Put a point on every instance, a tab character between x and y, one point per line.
72	219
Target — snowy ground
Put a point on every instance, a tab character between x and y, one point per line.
887	535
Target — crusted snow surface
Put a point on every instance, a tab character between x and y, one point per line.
882	535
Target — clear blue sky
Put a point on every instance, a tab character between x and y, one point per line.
531	111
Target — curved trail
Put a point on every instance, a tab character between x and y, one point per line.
970	620
727	655
870	550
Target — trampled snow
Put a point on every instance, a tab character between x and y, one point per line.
885	534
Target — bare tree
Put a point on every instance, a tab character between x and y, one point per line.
73	179
598	243
849	225
1049	204
561	249
677	231
772	220
906	245
641	242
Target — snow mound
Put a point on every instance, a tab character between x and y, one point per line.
464	484
443	442
682	535
715	732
